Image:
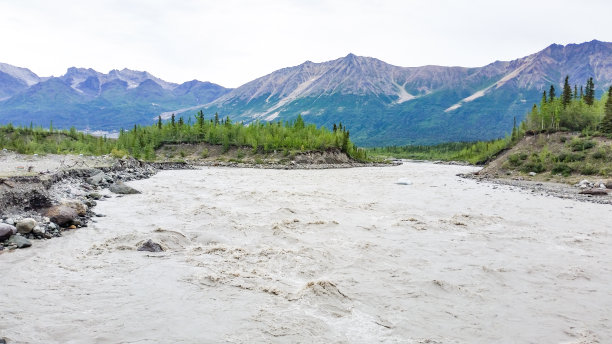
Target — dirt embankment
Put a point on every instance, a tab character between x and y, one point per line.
205	154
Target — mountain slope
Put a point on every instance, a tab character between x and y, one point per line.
86	98
384	104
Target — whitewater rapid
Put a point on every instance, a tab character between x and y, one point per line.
326	256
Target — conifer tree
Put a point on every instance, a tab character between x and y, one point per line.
172	120
567	92
606	122
201	119
181	122
575	91
544	100
589	93
159	122
216	119
335	127
581	92
551	94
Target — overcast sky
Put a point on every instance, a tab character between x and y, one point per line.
231	42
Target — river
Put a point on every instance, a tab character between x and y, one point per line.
326	256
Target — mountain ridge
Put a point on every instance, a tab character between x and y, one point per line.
381	103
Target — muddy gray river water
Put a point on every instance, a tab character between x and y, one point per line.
326	256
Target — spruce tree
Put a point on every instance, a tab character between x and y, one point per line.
159	122
575	91
544	100
551	94
606	122
589	93
172	120
216	119
567	92
581	92
335	127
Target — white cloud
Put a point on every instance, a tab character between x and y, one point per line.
234	41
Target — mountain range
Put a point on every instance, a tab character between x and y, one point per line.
381	104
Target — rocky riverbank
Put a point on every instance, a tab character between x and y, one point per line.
43	205
585	191
42	197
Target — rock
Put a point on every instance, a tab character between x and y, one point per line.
10	221
25	226
38	230
594	192
72	227
94	196
532	174
609	185
97	179
150	246
62	215
19	241
51	226
79	207
6	231
123	189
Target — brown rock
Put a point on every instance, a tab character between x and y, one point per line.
62	215
594	192
80	208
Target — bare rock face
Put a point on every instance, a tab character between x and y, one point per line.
6	231
62	215
25	226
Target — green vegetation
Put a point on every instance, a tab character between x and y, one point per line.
142	141
570	112
562	154
31	140
472	152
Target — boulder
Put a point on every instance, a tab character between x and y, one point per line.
38	230
150	246
62	215
97	179
25	226
19	241
6	231
123	189
609	185
94	196
594	192
79	207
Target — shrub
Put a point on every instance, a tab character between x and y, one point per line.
515	160
118	153
588	170
562	169
570	157
581	145
204	153
599	154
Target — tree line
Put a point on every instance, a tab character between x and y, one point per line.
142	141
